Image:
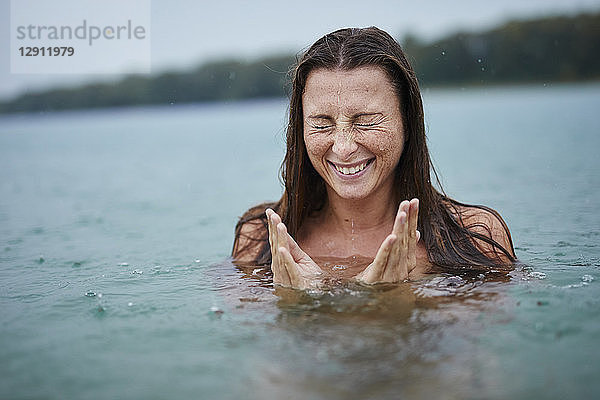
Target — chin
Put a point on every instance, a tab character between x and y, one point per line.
352	194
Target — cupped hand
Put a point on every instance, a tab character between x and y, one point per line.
291	266
397	255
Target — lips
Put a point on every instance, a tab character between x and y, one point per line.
351	169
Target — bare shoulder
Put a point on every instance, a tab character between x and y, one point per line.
488	224
250	237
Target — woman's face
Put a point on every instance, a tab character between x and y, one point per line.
353	129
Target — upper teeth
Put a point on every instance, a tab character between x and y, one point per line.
351	170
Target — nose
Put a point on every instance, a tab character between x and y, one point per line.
343	144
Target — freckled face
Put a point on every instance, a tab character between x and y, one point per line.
353	130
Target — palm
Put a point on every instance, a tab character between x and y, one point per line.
291	266
396	256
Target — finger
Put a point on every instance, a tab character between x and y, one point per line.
375	271
286	241
401	269
413	214
272	220
383	254
394	259
296	252
274	257
399	228
282	242
280	271
290	267
402	208
269	214
282	236
411	255
292	246
275	220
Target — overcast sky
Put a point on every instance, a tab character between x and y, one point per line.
186	32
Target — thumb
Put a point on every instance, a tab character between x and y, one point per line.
295	250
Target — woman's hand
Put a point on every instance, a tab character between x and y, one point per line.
291	266
397	255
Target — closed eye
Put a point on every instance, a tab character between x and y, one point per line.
320	122
368	120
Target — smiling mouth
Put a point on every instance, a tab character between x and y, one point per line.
353	170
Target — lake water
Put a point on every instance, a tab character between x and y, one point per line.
116	225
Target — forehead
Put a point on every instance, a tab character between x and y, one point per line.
359	88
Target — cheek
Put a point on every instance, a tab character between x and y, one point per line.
316	146
386	145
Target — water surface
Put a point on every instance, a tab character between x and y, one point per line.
116	225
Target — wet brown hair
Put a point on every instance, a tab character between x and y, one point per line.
451	242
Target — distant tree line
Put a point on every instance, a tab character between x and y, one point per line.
557	49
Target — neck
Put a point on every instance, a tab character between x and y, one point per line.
351	216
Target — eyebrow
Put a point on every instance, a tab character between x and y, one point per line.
319	116
367	114
325	116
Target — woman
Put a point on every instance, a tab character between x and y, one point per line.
356	152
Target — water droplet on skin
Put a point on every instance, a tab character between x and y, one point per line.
129	304
352	234
90	294
99	295
443	53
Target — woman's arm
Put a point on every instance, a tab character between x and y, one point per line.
487	223
249	240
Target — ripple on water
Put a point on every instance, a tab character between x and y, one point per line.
587	278
562	243
444	286
160	270
536	275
